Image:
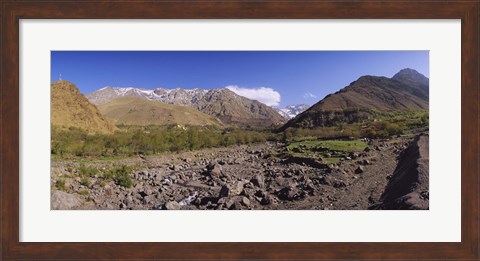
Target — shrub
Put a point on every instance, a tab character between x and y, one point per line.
148	140
85	174
85	171
120	175
60	184
84	181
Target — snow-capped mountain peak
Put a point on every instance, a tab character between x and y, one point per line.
291	111
172	96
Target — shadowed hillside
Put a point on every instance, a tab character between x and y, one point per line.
407	90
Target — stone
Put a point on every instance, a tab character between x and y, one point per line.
353	155
108	191
360	169
224	192
222	201
290	193
267	200
237	189
325	180
338	183
245	201
258	181
214	169
63	200
230	203
172	205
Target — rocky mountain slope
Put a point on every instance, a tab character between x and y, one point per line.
291	111
224	104
170	96
69	108
234	109
133	110
406	90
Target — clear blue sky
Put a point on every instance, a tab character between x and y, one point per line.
293	74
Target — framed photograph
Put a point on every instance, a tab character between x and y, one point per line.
239	130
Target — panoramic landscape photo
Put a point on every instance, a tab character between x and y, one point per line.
239	130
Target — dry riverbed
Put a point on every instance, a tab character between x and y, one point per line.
260	176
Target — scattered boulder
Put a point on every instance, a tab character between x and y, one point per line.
61	200
237	188
258	181
172	205
224	192
359	170
245	201
214	169
267	200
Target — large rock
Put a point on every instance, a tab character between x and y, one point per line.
172	205
408	188
258	181
224	192
62	201
214	169
237	188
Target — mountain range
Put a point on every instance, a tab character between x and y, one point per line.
224	104
406	90
97	111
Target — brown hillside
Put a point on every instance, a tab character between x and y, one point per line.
69	108
132	110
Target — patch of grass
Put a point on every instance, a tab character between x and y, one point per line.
83	192
85	171
330	151
85	181
331	160
332	145
60	184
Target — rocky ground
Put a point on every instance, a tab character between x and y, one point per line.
260	176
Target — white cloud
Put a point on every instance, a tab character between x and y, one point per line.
264	95
309	95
